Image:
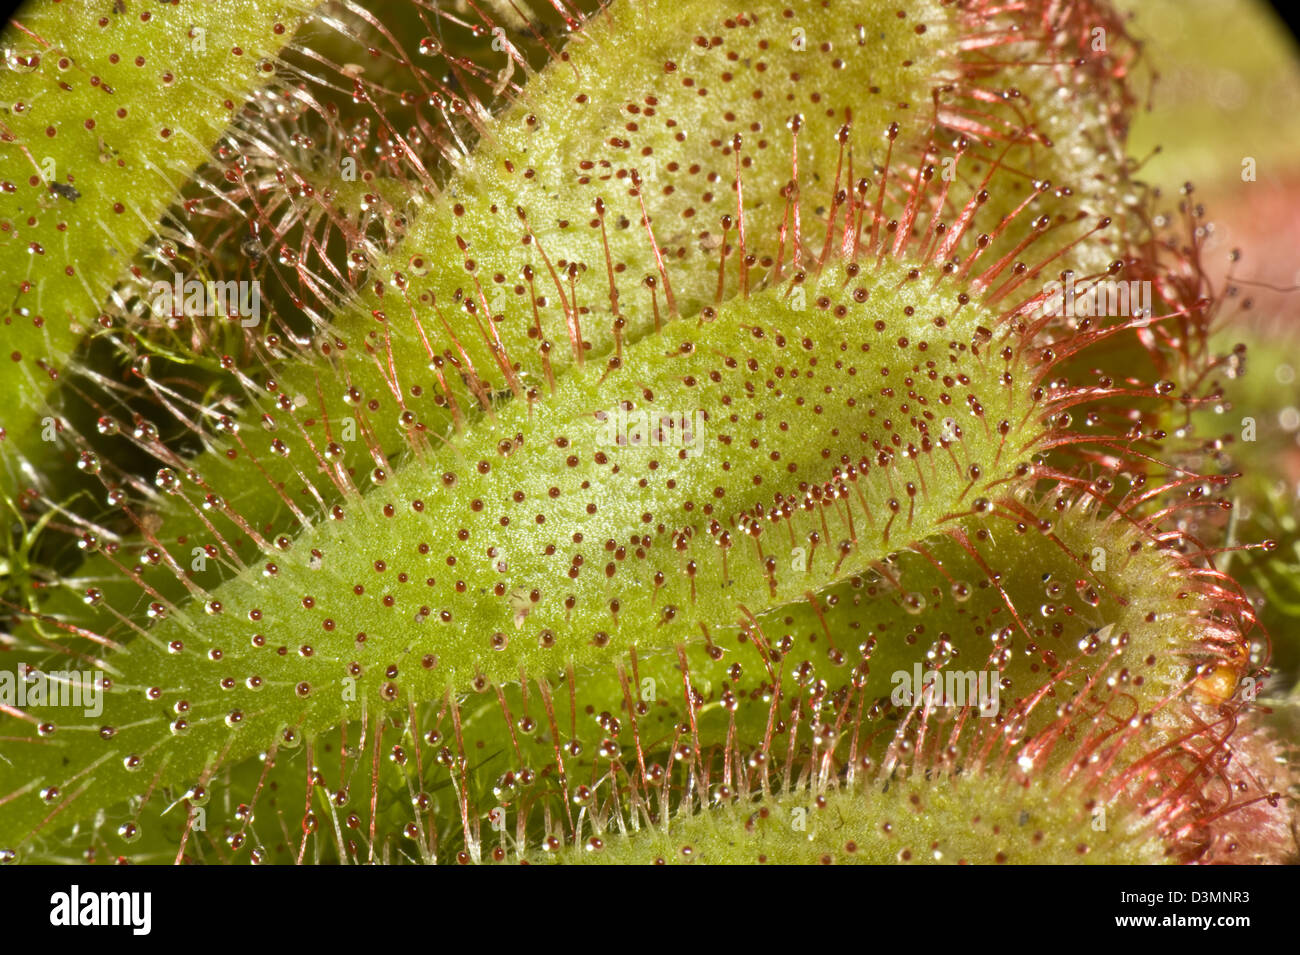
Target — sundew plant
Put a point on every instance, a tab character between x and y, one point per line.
643	432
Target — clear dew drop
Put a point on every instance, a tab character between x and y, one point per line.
941	652
167	481
913	603
506	788
22	61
